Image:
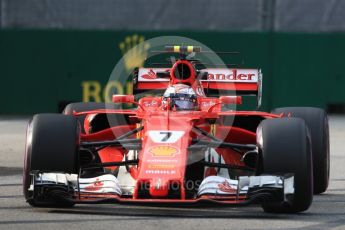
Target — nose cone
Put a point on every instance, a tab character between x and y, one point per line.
159	187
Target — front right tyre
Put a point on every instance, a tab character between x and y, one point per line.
52	144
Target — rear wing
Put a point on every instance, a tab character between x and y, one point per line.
215	81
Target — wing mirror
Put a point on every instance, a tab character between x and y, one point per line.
117	98
230	100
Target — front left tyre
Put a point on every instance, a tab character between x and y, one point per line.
284	145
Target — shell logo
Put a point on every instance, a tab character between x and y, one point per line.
163	151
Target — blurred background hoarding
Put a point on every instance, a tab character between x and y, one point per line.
57	51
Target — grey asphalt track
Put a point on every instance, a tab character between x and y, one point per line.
326	212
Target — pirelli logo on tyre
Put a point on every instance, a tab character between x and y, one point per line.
163	151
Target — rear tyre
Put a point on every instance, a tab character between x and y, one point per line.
51	145
317	121
82	107
100	121
284	144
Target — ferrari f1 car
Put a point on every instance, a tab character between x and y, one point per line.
183	148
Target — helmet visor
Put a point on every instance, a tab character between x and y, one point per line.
183	101
184	105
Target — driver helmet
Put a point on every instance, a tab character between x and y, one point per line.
182	97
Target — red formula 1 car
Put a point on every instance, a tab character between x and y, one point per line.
182	148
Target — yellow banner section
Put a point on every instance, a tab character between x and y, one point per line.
94	91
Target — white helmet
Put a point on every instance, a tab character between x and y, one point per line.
182	97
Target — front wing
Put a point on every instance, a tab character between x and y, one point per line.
213	190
